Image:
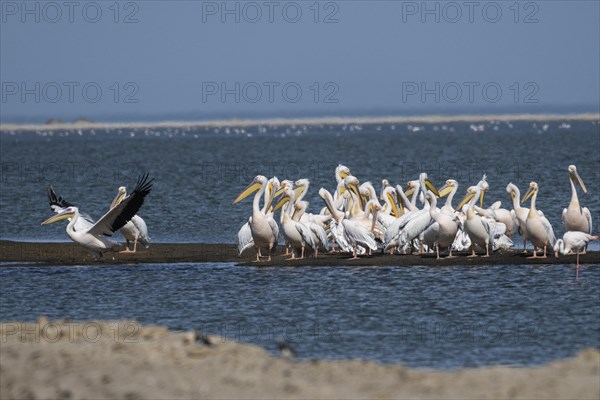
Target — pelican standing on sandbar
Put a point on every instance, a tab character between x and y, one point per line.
264	229
574	217
539	230
134	230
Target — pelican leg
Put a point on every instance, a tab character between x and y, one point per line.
473	254
354	253
126	247
450	250
270	251
578	260
135	246
437	251
487	250
534	253
302	253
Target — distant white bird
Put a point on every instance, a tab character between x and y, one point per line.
573	241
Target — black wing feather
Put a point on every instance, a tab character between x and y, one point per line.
134	203
55	200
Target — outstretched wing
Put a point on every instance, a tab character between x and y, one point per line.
119	215
245	240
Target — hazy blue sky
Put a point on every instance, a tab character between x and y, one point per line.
199	59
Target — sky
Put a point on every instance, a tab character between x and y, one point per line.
166	60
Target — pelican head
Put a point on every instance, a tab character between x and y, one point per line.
574	176
533	188
512	190
471	192
341	172
256	184
122	192
412	186
68	212
448	187
390	193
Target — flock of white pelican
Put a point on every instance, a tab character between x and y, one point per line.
121	216
356	220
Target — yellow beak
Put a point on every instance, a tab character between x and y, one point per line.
464	201
409	192
394	206
445	190
253	187
481	196
579	180
117	200
528	194
431	187
281	203
58	217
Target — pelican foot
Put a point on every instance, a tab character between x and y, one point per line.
450	257
127	251
472	256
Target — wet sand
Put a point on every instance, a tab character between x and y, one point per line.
45	254
122	359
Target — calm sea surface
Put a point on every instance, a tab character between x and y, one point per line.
426	317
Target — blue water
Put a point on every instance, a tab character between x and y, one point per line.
427	317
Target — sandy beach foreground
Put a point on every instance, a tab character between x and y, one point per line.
107	360
41	254
45	254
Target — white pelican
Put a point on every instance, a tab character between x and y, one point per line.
539	230
134	230
518	213
576	218
449	188
389	212
573	241
245	240
318	231
58	205
264	229
296	233
94	237
335	226
356	229
445	227
477	228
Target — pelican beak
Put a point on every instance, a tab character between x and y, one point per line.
464	201
579	180
410	191
281	202
117	199
481	196
431	187
58	217
298	191
394	206
280	191
344	175
445	190
253	187
528	194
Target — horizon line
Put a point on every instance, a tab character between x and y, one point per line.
330	120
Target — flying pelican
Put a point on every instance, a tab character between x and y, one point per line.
539	230
264	229
573	241
576	218
94	237
134	230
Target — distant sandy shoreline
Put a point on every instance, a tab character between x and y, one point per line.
47	254
126	360
240	123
